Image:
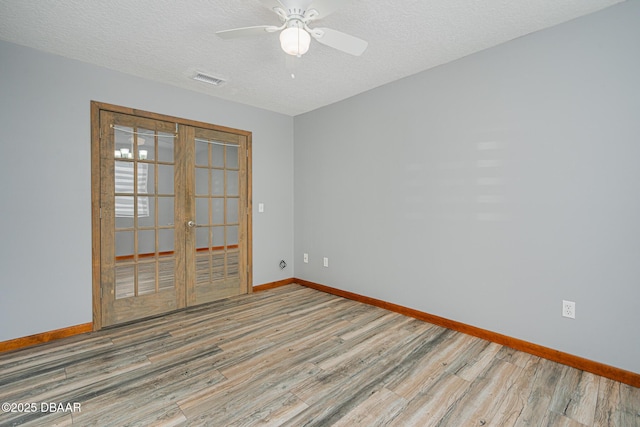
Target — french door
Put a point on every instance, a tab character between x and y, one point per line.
173	214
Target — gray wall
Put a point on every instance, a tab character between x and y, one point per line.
45	181
490	189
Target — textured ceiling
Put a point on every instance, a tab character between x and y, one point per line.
169	41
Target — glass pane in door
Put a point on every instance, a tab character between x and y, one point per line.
217	209
141	220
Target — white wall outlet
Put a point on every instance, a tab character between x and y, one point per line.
305	258
569	309
325	261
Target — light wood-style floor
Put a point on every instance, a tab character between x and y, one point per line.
298	357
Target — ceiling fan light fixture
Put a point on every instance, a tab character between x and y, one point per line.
295	41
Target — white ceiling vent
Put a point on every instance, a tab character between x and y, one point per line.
201	77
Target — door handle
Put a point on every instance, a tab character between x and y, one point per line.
191	224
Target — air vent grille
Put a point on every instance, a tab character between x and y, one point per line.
208	79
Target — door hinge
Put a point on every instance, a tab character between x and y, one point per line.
100	213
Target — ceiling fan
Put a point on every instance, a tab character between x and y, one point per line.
295	34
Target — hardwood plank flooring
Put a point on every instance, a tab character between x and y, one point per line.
294	356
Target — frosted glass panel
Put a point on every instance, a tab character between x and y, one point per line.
165	211
165	147
232	157
124	222
146	178
124	243
218	211
202	237
218	155
123	175
218	236
122	135
146	211
147	151
202	211
232	183
165	179
166	240
144	143
232	211
202	181
146	241
202	153
232	235
217	182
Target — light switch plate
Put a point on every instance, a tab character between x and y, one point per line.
260	207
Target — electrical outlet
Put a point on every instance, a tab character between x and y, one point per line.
305	258
325	261
569	309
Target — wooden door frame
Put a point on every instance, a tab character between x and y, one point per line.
96	177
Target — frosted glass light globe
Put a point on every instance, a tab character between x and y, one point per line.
295	41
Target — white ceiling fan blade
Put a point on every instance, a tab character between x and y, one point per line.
340	41
326	7
246	32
